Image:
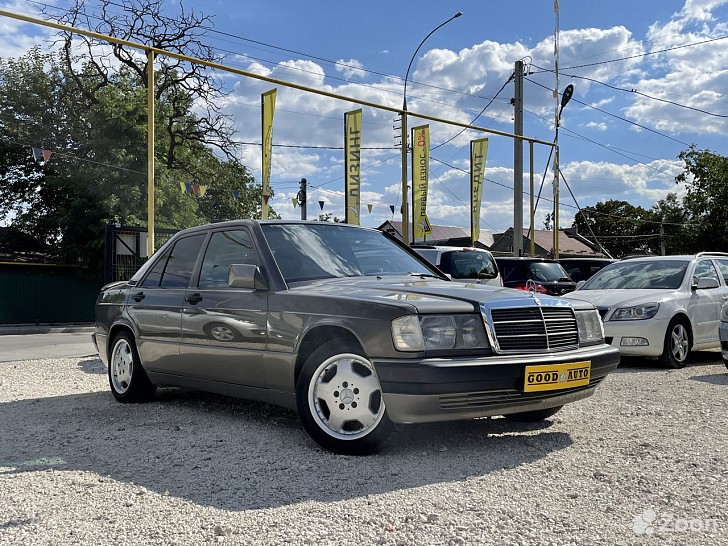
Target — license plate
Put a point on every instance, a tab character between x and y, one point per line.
551	377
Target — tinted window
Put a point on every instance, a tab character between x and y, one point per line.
468	264
305	252
225	248
639	274
155	274
181	262
547	272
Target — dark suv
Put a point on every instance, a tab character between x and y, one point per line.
581	269
537	274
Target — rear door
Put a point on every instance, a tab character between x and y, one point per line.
155	304
705	304
224	329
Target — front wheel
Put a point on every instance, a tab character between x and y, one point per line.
676	350
533	416
340	400
127	378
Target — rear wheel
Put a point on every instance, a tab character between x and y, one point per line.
127	378
340	400
533	416
676	351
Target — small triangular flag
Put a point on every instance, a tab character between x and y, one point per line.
203	189
391	207
188	187
294	200
369	206
37	153
321	204
196	189
236	195
47	155
183	187
265	199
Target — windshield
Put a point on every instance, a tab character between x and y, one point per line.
306	252
665	274
469	264
548	272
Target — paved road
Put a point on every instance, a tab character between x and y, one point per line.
52	343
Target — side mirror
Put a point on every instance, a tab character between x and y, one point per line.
246	276
705	283
580	284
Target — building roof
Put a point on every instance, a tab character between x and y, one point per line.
440	233
570	242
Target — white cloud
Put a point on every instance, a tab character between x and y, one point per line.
351	68
599	126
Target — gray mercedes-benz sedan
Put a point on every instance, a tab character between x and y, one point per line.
345	324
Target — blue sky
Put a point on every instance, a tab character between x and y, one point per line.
615	143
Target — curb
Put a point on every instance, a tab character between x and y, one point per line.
24	329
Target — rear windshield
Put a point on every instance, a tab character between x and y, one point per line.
468	264
547	272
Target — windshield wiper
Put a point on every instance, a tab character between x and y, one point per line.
411	274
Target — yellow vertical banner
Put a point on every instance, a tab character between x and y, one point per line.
268	107
420	181
352	166
478	151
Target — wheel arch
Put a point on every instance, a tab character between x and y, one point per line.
316	337
113	332
686	319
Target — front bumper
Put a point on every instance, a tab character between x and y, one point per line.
446	389
651	330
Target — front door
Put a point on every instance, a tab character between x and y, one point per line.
224	329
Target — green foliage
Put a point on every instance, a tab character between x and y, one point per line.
98	171
705	176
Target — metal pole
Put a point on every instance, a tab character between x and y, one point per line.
405	203
556	139
150	152
405	198
532	211
518	161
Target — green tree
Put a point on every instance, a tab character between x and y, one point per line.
705	175
620	227
94	122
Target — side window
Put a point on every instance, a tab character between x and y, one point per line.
723	266
181	262
446	262
225	248
155	274
705	270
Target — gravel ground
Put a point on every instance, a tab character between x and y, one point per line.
644	461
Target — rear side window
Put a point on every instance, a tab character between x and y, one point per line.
723	266
174	269
225	248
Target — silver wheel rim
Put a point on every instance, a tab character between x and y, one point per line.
122	361
345	398
679	342
222	333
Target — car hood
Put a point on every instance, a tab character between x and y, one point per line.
425	294
611	298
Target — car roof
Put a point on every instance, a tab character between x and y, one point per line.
525	258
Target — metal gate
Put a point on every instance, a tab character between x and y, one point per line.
125	250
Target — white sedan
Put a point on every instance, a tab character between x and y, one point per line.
660	306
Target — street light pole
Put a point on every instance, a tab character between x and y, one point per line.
405	202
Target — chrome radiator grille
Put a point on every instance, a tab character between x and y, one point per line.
534	328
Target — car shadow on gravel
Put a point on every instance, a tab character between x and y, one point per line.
632	364
714	378
238	455
93	366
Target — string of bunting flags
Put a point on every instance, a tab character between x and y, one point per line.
40	153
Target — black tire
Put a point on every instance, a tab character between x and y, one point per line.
127	378
676	351
725	362
340	401
533	416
